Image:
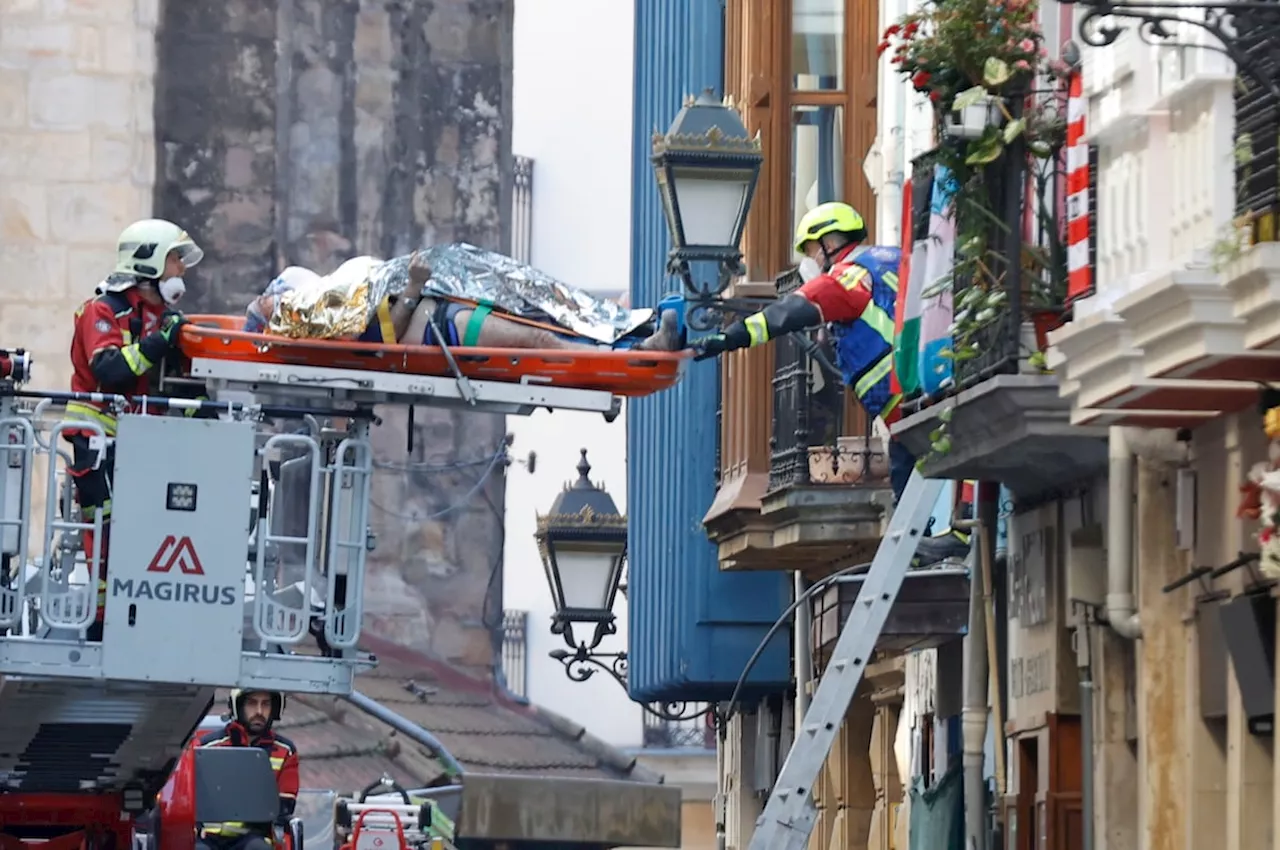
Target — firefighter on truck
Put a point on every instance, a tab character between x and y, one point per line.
122	336
252	715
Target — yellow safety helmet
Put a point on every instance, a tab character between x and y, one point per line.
833	217
143	246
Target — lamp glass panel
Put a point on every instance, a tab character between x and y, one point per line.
586	575
711	205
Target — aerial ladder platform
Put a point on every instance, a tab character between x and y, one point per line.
224	571
789	814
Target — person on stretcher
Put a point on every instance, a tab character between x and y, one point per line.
411	319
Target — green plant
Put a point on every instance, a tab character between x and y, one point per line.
1234	238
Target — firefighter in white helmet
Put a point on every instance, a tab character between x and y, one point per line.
252	714
122	335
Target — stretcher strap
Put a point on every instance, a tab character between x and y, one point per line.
478	315
510	317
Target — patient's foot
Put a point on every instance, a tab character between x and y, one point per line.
667	337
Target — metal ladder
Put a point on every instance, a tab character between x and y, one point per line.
789	814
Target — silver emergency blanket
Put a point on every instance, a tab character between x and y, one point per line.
342	304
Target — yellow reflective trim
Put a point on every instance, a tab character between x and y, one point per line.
87	411
854	276
874	375
384	322
880	321
758	328
277	762
138	364
125	336
890	280
893	402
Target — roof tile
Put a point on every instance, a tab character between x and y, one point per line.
344	749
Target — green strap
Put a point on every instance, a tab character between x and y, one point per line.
482	310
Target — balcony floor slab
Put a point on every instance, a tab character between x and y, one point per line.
1012	429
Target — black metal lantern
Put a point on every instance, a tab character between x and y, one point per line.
583	543
707	165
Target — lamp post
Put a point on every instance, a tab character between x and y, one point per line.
582	541
707	165
1244	29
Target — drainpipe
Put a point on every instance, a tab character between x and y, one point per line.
1084	662
802	638
974	715
1122	611
409	729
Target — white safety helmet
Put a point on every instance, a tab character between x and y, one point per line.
143	246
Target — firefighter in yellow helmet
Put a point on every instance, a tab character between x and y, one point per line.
120	338
252	714
852	288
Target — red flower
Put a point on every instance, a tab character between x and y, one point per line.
892	30
921	79
911	29
935	95
882	47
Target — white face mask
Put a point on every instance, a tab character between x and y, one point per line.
172	289
809	269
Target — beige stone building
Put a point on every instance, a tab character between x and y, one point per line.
77	158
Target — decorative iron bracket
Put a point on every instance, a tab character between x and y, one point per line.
581	664
1225	21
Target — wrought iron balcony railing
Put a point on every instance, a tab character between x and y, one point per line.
696	733
1257	139
821	435
1002	310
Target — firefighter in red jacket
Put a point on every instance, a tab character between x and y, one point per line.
853	289
121	337
252	715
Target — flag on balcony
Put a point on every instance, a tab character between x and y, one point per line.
1079	269
905	378
935	305
915	243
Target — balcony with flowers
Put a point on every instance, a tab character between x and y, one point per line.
986	271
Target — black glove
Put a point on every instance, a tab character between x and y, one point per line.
170	324
712	345
170	327
734	337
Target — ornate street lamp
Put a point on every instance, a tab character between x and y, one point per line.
583	541
583	544
707	165
1245	30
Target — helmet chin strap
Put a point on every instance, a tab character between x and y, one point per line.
828	256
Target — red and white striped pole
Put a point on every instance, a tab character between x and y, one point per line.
1079	274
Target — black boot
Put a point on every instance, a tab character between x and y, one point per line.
931	550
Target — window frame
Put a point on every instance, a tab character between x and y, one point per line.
852	177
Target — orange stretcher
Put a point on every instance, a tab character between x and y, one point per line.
624	373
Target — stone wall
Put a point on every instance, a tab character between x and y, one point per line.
310	131
76	159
